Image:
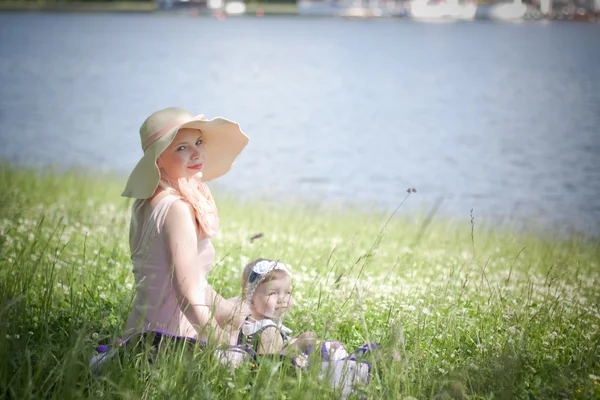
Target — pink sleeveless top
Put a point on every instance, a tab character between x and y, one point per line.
156	306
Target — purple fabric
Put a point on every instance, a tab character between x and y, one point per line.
324	353
103	348
242	349
194	340
362	350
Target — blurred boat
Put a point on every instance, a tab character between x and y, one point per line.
450	10
319	7
235	8
514	11
218	8
572	12
184	6
352	8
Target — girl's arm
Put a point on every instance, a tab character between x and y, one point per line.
271	341
302	343
182	242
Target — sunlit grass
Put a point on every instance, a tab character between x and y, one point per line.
461	310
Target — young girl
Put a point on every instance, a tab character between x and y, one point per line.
173	219
267	291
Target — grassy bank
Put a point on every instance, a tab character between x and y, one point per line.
75	6
470	312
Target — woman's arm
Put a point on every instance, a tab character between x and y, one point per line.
228	311
182	242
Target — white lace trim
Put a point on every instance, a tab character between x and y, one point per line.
249	328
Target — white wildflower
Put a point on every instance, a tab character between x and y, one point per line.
302	360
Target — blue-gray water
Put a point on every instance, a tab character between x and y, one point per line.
501	118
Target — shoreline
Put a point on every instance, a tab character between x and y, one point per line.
414	213
133	7
253	9
137	7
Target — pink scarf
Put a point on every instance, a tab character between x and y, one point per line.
197	194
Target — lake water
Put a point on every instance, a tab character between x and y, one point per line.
500	118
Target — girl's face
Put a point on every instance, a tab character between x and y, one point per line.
273	299
184	157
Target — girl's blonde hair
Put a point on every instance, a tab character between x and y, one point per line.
270	276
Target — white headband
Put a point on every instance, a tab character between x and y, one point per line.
259	272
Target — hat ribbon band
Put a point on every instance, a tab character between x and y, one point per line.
159	133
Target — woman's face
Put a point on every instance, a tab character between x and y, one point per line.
184	157
273	299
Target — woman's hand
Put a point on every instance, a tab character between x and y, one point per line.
241	312
231	312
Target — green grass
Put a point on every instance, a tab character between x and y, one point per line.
471	311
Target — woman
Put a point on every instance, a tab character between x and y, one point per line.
173	218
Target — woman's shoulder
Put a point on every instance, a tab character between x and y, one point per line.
148	217
159	210
162	197
178	212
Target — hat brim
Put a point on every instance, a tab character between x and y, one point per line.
222	139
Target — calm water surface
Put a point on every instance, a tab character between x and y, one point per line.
501	118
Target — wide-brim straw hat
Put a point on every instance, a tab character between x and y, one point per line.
223	141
